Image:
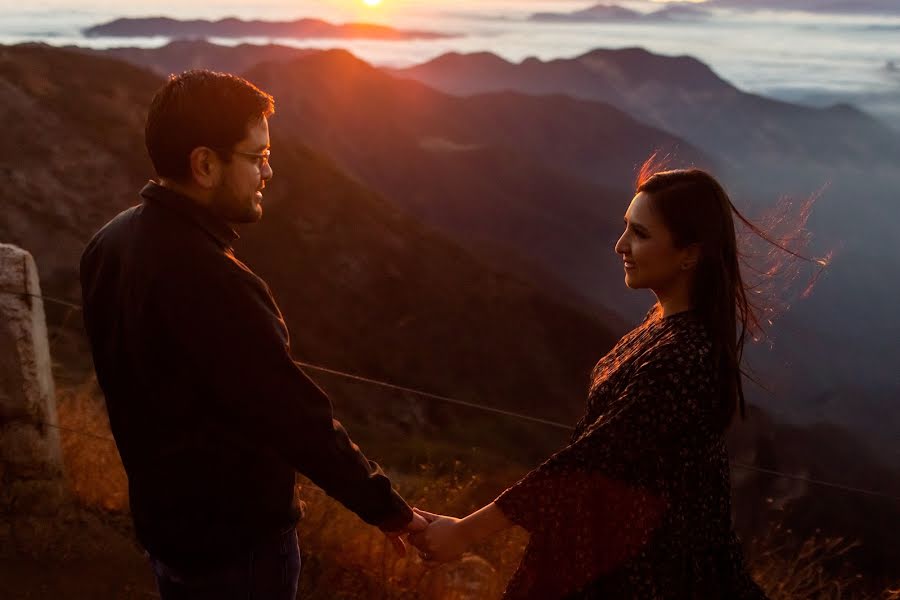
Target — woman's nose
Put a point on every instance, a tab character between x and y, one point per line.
621	246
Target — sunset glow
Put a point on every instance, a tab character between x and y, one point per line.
371	2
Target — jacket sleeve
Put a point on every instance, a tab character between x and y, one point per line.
229	334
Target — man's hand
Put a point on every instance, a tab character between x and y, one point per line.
442	541
417	524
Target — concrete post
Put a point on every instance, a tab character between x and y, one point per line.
32	487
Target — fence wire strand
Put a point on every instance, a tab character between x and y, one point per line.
475	406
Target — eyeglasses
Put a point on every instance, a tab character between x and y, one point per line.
261	159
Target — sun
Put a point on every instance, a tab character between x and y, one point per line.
371	2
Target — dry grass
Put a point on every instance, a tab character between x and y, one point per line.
344	558
351	560
788	572
92	465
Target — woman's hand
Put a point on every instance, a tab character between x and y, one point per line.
417	523
443	540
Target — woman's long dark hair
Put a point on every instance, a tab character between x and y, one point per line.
697	210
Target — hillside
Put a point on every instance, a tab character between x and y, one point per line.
543	178
368	288
763	150
363	286
681	95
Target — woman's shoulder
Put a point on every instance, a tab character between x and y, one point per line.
682	338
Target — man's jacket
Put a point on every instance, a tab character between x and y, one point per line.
211	415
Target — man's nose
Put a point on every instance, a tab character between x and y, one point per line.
267	172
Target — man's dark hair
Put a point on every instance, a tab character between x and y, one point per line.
200	108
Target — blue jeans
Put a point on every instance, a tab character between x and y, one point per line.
270	571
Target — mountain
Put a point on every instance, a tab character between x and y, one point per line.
363	286
615	13
67	165
236	28
820	6
182	55
678	94
544	178
598	12
680	11
764	150
509	175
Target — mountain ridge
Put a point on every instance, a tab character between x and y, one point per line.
678	94
535	174
232	27
601	13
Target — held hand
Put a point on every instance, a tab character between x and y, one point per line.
442	541
417	524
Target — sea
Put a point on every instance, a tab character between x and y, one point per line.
813	59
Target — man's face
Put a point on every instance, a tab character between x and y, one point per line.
238	197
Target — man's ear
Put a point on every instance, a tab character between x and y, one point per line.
691	257
206	167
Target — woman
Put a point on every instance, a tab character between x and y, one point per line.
638	504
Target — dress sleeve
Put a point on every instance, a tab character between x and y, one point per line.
611	473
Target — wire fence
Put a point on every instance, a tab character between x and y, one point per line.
471	405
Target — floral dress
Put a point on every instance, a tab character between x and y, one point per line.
638	504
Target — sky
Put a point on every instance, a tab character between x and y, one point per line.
343	9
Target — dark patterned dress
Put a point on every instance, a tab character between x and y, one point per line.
638	504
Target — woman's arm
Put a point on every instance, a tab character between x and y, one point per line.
448	537
484	523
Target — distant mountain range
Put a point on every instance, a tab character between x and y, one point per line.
506	169
814	6
683	11
237	28
763	149
679	94
614	12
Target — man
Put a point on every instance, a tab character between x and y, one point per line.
210	414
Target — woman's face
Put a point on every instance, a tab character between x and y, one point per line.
651	259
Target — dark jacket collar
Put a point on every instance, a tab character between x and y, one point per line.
186	208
